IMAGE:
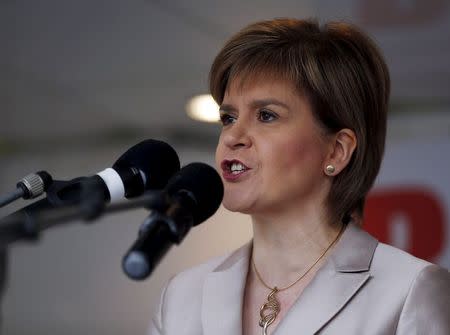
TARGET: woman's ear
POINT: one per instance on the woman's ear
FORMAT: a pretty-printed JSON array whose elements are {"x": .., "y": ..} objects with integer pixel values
[{"x": 343, "y": 144}]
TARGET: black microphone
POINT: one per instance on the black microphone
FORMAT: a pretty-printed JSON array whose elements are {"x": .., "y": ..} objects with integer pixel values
[
  {"x": 192, "y": 195},
  {"x": 29, "y": 187},
  {"x": 147, "y": 165}
]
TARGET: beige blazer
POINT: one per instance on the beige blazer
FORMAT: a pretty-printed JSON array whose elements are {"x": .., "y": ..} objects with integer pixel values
[{"x": 364, "y": 288}]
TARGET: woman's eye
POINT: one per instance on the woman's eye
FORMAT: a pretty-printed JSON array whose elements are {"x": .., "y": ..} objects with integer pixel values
[
  {"x": 267, "y": 116},
  {"x": 226, "y": 119}
]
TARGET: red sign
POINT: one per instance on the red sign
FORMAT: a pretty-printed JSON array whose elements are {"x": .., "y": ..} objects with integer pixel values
[{"x": 424, "y": 215}]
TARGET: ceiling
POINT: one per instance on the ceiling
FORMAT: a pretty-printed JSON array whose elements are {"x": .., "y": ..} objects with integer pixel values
[{"x": 92, "y": 71}]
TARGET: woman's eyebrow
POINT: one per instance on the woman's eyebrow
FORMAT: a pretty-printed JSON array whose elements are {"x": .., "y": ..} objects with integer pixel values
[
  {"x": 226, "y": 108},
  {"x": 266, "y": 102},
  {"x": 255, "y": 104}
]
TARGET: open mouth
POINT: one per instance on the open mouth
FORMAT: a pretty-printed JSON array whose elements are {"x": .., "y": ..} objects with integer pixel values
[{"x": 233, "y": 167}]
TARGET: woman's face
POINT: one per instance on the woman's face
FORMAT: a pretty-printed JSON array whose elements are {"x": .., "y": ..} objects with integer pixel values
[{"x": 271, "y": 152}]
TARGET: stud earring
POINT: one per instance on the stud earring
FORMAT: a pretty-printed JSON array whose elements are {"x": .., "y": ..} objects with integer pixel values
[{"x": 330, "y": 169}]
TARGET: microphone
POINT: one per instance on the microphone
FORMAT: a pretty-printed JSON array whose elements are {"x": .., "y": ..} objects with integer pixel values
[
  {"x": 29, "y": 187},
  {"x": 192, "y": 195},
  {"x": 147, "y": 165}
]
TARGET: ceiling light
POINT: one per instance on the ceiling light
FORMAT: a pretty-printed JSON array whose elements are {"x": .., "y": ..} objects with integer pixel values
[{"x": 203, "y": 108}]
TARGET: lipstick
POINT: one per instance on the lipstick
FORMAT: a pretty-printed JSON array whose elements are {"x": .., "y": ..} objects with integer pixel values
[{"x": 233, "y": 170}]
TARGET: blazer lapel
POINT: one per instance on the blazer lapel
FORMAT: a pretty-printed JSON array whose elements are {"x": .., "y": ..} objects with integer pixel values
[
  {"x": 223, "y": 294},
  {"x": 344, "y": 274}
]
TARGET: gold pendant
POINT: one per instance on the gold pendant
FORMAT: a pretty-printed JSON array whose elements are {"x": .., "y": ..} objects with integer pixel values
[{"x": 269, "y": 311}]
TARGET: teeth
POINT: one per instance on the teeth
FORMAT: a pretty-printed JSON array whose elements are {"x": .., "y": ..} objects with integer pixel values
[{"x": 237, "y": 167}]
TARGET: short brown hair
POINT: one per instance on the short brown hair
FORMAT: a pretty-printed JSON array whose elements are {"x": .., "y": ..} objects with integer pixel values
[{"x": 341, "y": 72}]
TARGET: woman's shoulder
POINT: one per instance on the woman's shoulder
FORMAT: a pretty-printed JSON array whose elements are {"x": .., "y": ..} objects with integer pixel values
[
  {"x": 395, "y": 259},
  {"x": 389, "y": 259},
  {"x": 183, "y": 293},
  {"x": 192, "y": 279},
  {"x": 359, "y": 250},
  {"x": 195, "y": 275},
  {"x": 424, "y": 289},
  {"x": 401, "y": 269}
]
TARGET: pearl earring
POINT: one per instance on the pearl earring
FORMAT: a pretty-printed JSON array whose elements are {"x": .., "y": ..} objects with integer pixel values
[{"x": 330, "y": 169}]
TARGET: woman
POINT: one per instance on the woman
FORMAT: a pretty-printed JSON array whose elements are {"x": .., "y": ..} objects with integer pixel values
[{"x": 303, "y": 110}]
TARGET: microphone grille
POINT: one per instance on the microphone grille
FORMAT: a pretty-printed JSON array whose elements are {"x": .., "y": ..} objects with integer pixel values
[
  {"x": 156, "y": 159},
  {"x": 204, "y": 183}
]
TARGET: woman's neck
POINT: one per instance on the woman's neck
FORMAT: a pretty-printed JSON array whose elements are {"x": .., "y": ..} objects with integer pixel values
[{"x": 286, "y": 244}]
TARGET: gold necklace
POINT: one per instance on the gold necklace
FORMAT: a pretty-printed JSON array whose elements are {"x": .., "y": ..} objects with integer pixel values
[{"x": 270, "y": 309}]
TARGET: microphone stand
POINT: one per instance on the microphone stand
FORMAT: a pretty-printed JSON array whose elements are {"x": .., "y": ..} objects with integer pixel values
[
  {"x": 11, "y": 196},
  {"x": 28, "y": 227},
  {"x": 24, "y": 226}
]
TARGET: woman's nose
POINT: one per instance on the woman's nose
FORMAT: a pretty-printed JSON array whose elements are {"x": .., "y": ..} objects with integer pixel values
[{"x": 237, "y": 136}]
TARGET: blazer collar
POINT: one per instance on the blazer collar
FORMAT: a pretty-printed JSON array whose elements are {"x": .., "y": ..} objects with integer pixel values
[
  {"x": 334, "y": 285},
  {"x": 354, "y": 251},
  {"x": 341, "y": 277},
  {"x": 223, "y": 294}
]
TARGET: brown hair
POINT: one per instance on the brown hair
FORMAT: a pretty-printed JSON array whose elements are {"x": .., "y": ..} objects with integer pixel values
[{"x": 340, "y": 70}]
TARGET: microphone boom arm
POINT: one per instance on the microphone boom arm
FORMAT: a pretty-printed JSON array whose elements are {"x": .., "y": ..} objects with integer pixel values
[{"x": 23, "y": 225}]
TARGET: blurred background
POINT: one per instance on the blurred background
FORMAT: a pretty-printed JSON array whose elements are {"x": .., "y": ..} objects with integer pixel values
[{"x": 82, "y": 81}]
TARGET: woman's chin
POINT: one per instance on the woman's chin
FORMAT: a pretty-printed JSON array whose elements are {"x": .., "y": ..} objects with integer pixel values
[{"x": 237, "y": 205}]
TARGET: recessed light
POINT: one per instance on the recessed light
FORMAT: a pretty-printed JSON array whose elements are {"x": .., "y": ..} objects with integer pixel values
[{"x": 203, "y": 108}]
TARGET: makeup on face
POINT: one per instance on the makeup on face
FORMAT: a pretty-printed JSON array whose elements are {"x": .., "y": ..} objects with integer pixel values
[{"x": 270, "y": 150}]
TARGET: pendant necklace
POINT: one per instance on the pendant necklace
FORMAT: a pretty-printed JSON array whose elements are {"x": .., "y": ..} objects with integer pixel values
[{"x": 271, "y": 308}]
